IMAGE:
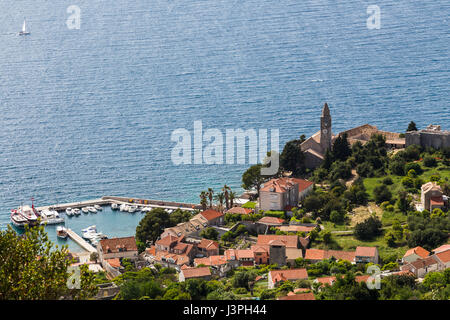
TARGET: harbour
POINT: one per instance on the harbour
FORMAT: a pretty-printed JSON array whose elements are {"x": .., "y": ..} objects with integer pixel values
[{"x": 110, "y": 222}]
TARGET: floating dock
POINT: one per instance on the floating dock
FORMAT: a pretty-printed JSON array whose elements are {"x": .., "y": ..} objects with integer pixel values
[{"x": 80, "y": 241}]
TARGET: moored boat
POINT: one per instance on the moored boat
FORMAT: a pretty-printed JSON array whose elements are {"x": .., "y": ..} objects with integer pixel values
[
  {"x": 61, "y": 232},
  {"x": 98, "y": 208},
  {"x": 92, "y": 209},
  {"x": 76, "y": 211},
  {"x": 85, "y": 210},
  {"x": 114, "y": 206}
]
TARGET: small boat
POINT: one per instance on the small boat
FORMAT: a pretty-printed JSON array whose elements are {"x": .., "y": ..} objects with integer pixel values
[
  {"x": 123, "y": 207},
  {"x": 24, "y": 31},
  {"x": 61, "y": 232},
  {"x": 98, "y": 208},
  {"x": 69, "y": 212},
  {"x": 85, "y": 210},
  {"x": 76, "y": 211},
  {"x": 18, "y": 220},
  {"x": 114, "y": 206},
  {"x": 132, "y": 209},
  {"x": 92, "y": 228},
  {"x": 92, "y": 209},
  {"x": 51, "y": 217}
]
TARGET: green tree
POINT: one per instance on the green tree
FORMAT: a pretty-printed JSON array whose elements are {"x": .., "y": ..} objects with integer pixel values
[
  {"x": 292, "y": 158},
  {"x": 209, "y": 233},
  {"x": 32, "y": 268},
  {"x": 152, "y": 225},
  {"x": 368, "y": 229},
  {"x": 252, "y": 178},
  {"x": 381, "y": 194},
  {"x": 341, "y": 148},
  {"x": 412, "y": 126}
]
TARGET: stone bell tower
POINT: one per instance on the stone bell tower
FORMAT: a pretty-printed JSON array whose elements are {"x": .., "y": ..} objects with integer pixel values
[{"x": 325, "y": 128}]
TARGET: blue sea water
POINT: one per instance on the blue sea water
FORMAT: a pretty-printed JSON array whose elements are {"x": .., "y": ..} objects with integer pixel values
[{"x": 90, "y": 112}]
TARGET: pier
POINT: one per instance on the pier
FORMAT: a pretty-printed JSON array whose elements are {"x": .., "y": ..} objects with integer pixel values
[
  {"x": 80, "y": 241},
  {"x": 107, "y": 200}
]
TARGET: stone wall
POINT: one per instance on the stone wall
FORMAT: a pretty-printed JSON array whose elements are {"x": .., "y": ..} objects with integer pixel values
[{"x": 435, "y": 139}]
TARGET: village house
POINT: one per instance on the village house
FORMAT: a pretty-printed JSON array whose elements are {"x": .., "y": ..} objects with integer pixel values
[
  {"x": 240, "y": 210},
  {"x": 117, "y": 248},
  {"x": 317, "y": 255},
  {"x": 414, "y": 254},
  {"x": 277, "y": 276},
  {"x": 292, "y": 228},
  {"x": 366, "y": 255},
  {"x": 277, "y": 194},
  {"x": 432, "y": 196},
  {"x": 208, "y": 248},
  {"x": 194, "y": 273},
  {"x": 195, "y": 224},
  {"x": 279, "y": 249},
  {"x": 271, "y": 221},
  {"x": 240, "y": 257},
  {"x": 213, "y": 217},
  {"x": 218, "y": 264},
  {"x": 443, "y": 258},
  {"x": 421, "y": 267}
]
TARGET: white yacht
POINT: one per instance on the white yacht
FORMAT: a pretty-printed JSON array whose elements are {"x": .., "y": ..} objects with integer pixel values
[
  {"x": 98, "y": 208},
  {"x": 92, "y": 228},
  {"x": 114, "y": 206},
  {"x": 132, "y": 209},
  {"x": 85, "y": 210},
  {"x": 92, "y": 209},
  {"x": 123, "y": 207},
  {"x": 76, "y": 211},
  {"x": 69, "y": 212}
]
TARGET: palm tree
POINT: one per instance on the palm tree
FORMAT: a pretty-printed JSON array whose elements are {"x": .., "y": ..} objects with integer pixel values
[
  {"x": 225, "y": 192},
  {"x": 232, "y": 196},
  {"x": 210, "y": 196},
  {"x": 220, "y": 197},
  {"x": 203, "y": 199}
]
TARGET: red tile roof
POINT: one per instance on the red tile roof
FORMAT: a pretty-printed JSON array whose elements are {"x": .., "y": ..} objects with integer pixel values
[
  {"x": 211, "y": 261},
  {"x": 290, "y": 241},
  {"x": 115, "y": 262},
  {"x": 421, "y": 252},
  {"x": 211, "y": 214},
  {"x": 196, "y": 272},
  {"x": 240, "y": 210},
  {"x": 315, "y": 254},
  {"x": 271, "y": 220},
  {"x": 277, "y": 242},
  {"x": 365, "y": 251},
  {"x": 302, "y": 184},
  {"x": 151, "y": 251},
  {"x": 442, "y": 248},
  {"x": 114, "y": 244},
  {"x": 362, "y": 278},
  {"x": 244, "y": 254},
  {"x": 167, "y": 241},
  {"x": 300, "y": 296},
  {"x": 325, "y": 280},
  {"x": 444, "y": 256},
  {"x": 289, "y": 274},
  {"x": 208, "y": 244},
  {"x": 294, "y": 228}
]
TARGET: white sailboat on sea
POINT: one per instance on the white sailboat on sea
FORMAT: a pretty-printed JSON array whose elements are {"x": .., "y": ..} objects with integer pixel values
[{"x": 24, "y": 31}]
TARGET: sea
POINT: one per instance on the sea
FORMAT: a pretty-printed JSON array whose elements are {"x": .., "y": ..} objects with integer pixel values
[{"x": 89, "y": 100}]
